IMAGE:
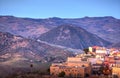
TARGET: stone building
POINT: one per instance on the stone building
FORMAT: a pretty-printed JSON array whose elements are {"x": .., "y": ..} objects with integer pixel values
[
  {"x": 73, "y": 67},
  {"x": 116, "y": 69}
]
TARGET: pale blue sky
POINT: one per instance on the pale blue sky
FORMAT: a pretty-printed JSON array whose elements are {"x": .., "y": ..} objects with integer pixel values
[{"x": 60, "y": 8}]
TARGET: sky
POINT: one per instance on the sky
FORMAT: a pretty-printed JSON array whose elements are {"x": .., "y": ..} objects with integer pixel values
[{"x": 60, "y": 8}]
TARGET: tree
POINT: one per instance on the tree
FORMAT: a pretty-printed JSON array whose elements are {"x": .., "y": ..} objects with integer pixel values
[
  {"x": 106, "y": 70},
  {"x": 101, "y": 69},
  {"x": 48, "y": 70},
  {"x": 86, "y": 50},
  {"x": 31, "y": 66},
  {"x": 115, "y": 76},
  {"x": 61, "y": 74},
  {"x": 86, "y": 75}
]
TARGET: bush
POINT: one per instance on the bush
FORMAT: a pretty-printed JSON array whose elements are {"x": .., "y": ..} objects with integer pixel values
[{"x": 61, "y": 74}]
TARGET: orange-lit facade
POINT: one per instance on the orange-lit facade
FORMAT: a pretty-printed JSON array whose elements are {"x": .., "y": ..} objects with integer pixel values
[
  {"x": 90, "y": 64},
  {"x": 73, "y": 67},
  {"x": 116, "y": 69}
]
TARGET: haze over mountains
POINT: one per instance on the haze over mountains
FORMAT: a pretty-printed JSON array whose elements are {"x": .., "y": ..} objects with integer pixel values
[
  {"x": 39, "y": 39},
  {"x": 108, "y": 28}
]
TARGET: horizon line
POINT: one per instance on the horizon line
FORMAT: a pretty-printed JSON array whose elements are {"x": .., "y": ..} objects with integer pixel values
[{"x": 57, "y": 17}]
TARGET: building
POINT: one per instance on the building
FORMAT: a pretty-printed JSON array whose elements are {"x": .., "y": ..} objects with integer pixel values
[
  {"x": 73, "y": 67},
  {"x": 98, "y": 61},
  {"x": 116, "y": 69}
]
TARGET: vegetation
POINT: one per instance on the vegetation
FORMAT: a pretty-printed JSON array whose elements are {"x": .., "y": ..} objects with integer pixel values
[
  {"x": 61, "y": 74},
  {"x": 86, "y": 50},
  {"x": 26, "y": 71},
  {"x": 87, "y": 75},
  {"x": 105, "y": 70}
]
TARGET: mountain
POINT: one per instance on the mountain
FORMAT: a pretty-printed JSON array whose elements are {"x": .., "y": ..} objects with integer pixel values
[
  {"x": 18, "y": 49},
  {"x": 107, "y": 27},
  {"x": 115, "y": 45},
  {"x": 73, "y": 37},
  {"x": 22, "y": 26}
]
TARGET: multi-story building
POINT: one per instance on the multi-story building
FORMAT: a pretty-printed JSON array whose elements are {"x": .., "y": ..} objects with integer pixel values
[
  {"x": 116, "y": 69},
  {"x": 99, "y": 60},
  {"x": 73, "y": 67}
]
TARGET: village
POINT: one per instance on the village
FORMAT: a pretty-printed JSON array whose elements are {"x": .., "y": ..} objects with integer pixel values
[{"x": 96, "y": 62}]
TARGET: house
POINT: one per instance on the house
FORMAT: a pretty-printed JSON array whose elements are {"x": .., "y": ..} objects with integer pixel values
[{"x": 73, "y": 67}]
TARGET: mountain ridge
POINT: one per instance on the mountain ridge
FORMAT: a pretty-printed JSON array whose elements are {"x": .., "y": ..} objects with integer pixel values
[
  {"x": 107, "y": 27},
  {"x": 73, "y": 37},
  {"x": 26, "y": 49}
]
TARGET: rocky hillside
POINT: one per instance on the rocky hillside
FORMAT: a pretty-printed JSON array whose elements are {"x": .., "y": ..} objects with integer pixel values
[
  {"x": 20, "y": 26},
  {"x": 107, "y": 28},
  {"x": 115, "y": 45},
  {"x": 73, "y": 37},
  {"x": 16, "y": 49}
]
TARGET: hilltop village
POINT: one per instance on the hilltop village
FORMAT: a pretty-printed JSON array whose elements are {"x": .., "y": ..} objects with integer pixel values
[{"x": 96, "y": 62}]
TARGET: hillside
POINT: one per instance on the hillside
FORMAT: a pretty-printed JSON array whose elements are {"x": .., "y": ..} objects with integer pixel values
[
  {"x": 115, "y": 45},
  {"x": 73, "y": 37},
  {"x": 18, "y": 49},
  {"x": 107, "y": 27}
]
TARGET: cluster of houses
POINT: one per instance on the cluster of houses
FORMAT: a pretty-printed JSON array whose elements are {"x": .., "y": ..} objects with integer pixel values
[{"x": 98, "y": 62}]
